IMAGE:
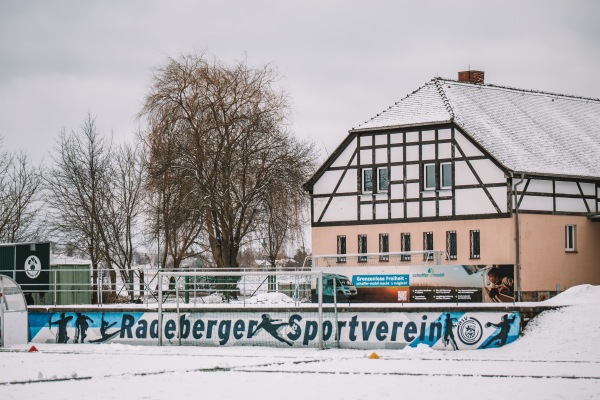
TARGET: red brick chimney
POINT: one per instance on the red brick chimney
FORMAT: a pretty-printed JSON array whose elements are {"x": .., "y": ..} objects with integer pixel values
[{"x": 471, "y": 76}]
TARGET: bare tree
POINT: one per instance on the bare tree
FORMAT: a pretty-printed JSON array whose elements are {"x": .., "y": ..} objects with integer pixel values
[
  {"x": 176, "y": 219},
  {"x": 121, "y": 209},
  {"x": 78, "y": 183},
  {"x": 232, "y": 142},
  {"x": 284, "y": 208},
  {"x": 20, "y": 187}
]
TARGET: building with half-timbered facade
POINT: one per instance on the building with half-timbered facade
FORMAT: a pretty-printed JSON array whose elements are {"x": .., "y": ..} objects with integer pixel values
[{"x": 489, "y": 174}]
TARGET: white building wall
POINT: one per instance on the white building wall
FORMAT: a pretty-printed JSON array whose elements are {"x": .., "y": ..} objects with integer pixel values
[
  {"x": 341, "y": 209},
  {"x": 327, "y": 182},
  {"x": 344, "y": 157}
]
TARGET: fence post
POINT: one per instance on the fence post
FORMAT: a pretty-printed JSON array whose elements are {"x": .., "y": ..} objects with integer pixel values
[
  {"x": 54, "y": 291},
  {"x": 131, "y": 288},
  {"x": 320, "y": 286},
  {"x": 186, "y": 287},
  {"x": 159, "y": 308}
]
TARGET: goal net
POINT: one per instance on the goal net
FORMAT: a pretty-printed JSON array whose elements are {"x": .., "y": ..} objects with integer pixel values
[{"x": 266, "y": 308}]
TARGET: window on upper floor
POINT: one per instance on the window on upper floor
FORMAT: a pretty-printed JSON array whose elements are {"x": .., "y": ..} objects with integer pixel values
[
  {"x": 405, "y": 246},
  {"x": 367, "y": 180},
  {"x": 341, "y": 248},
  {"x": 570, "y": 238},
  {"x": 383, "y": 179},
  {"x": 362, "y": 247},
  {"x": 451, "y": 252},
  {"x": 445, "y": 175},
  {"x": 384, "y": 247},
  {"x": 429, "y": 177},
  {"x": 475, "y": 239}
]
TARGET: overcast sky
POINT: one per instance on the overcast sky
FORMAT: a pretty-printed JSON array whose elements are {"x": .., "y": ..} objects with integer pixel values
[{"x": 342, "y": 62}]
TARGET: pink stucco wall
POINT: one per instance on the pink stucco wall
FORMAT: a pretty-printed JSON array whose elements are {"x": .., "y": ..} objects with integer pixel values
[{"x": 544, "y": 262}]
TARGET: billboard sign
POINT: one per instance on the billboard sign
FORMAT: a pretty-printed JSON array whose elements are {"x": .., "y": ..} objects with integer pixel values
[{"x": 426, "y": 284}]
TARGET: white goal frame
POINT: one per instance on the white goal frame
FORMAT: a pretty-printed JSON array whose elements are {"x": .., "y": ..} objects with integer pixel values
[{"x": 161, "y": 274}]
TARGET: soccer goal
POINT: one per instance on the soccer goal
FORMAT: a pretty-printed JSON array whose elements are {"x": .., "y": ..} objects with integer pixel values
[{"x": 229, "y": 309}]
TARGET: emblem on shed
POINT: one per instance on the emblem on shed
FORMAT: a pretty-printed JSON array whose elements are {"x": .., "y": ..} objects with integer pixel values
[{"x": 33, "y": 267}]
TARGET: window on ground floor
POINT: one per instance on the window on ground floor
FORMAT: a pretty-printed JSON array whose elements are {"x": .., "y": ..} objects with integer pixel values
[
  {"x": 341, "y": 248},
  {"x": 428, "y": 245},
  {"x": 384, "y": 246},
  {"x": 451, "y": 252},
  {"x": 405, "y": 246},
  {"x": 570, "y": 238},
  {"x": 475, "y": 252},
  {"x": 362, "y": 247}
]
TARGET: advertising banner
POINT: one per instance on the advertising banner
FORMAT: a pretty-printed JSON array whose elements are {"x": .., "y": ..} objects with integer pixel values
[
  {"x": 419, "y": 284},
  {"x": 452, "y": 330}
]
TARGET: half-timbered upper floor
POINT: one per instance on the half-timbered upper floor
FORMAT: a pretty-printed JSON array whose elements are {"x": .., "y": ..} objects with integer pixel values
[{"x": 454, "y": 150}]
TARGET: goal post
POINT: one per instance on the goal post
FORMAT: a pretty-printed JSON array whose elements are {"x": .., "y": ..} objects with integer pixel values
[{"x": 211, "y": 283}]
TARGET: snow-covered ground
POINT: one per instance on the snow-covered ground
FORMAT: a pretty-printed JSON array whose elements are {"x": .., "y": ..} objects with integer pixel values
[{"x": 558, "y": 357}]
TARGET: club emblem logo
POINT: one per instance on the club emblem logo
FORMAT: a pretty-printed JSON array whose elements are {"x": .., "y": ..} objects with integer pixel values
[
  {"x": 469, "y": 331},
  {"x": 33, "y": 267}
]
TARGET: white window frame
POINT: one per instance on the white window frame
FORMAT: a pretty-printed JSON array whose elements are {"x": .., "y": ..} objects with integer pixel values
[
  {"x": 425, "y": 175},
  {"x": 570, "y": 238},
  {"x": 364, "y": 171},
  {"x": 379, "y": 190},
  {"x": 442, "y": 186}
]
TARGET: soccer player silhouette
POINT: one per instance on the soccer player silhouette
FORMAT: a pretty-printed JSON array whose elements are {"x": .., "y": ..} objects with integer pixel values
[
  {"x": 268, "y": 325},
  {"x": 448, "y": 334},
  {"x": 81, "y": 325},
  {"x": 62, "y": 327},
  {"x": 502, "y": 336}
]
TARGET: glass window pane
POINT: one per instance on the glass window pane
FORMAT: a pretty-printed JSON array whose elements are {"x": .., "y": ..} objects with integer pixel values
[
  {"x": 384, "y": 246},
  {"x": 405, "y": 246},
  {"x": 341, "y": 248},
  {"x": 367, "y": 180},
  {"x": 384, "y": 180},
  {"x": 446, "y": 175},
  {"x": 429, "y": 176},
  {"x": 362, "y": 247}
]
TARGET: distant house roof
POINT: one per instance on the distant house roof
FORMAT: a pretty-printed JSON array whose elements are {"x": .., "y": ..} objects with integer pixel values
[{"x": 525, "y": 131}]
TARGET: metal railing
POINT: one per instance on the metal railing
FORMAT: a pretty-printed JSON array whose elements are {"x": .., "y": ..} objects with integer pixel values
[{"x": 81, "y": 286}]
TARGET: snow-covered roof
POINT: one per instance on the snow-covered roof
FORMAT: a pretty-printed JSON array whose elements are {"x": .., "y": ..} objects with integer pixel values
[{"x": 526, "y": 131}]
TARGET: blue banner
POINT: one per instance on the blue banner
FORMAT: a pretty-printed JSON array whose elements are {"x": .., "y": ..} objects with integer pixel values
[{"x": 380, "y": 280}]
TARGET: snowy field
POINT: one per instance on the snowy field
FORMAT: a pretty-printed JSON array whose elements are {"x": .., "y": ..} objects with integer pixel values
[{"x": 558, "y": 357}]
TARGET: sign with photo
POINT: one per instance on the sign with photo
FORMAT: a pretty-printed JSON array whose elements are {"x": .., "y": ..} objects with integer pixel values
[{"x": 419, "y": 284}]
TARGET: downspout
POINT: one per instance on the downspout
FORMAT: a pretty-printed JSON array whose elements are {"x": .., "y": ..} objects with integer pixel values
[{"x": 518, "y": 240}]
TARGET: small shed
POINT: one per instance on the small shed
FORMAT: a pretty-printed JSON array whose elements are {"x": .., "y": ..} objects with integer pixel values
[
  {"x": 13, "y": 313},
  {"x": 70, "y": 282}
]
